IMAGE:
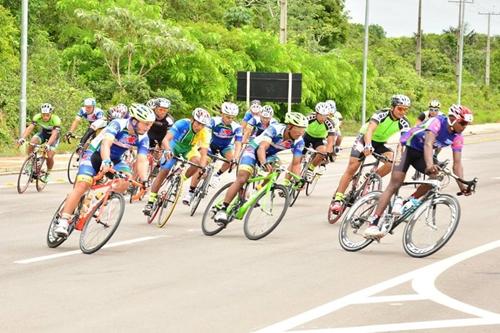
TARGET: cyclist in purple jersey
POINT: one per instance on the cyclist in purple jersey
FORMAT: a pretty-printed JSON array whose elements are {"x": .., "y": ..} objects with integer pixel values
[{"x": 417, "y": 149}]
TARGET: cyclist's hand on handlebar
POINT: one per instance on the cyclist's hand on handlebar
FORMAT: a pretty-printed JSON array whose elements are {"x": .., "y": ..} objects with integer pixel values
[
  {"x": 267, "y": 167},
  {"x": 145, "y": 184},
  {"x": 331, "y": 156},
  {"x": 106, "y": 166},
  {"x": 431, "y": 170},
  {"x": 368, "y": 150},
  {"x": 21, "y": 141},
  {"x": 168, "y": 154}
]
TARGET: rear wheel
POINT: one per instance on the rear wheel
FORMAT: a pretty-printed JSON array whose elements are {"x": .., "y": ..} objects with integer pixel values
[
  {"x": 41, "y": 179},
  {"x": 102, "y": 223},
  {"x": 266, "y": 212},
  {"x": 312, "y": 185},
  {"x": 173, "y": 192},
  {"x": 432, "y": 226},
  {"x": 25, "y": 174},
  {"x": 353, "y": 225},
  {"x": 208, "y": 225},
  {"x": 73, "y": 164}
]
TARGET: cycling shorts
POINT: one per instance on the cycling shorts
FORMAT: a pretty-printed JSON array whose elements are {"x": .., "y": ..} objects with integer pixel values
[
  {"x": 91, "y": 163},
  {"x": 407, "y": 156},
  {"x": 248, "y": 159},
  {"x": 214, "y": 149},
  {"x": 44, "y": 137},
  {"x": 311, "y": 142},
  {"x": 359, "y": 146}
]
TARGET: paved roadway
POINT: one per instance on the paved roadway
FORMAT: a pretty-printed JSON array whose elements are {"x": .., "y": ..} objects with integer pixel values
[{"x": 297, "y": 279}]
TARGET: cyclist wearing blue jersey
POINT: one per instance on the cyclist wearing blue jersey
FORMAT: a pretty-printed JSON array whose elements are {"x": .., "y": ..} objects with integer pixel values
[
  {"x": 105, "y": 152},
  {"x": 189, "y": 138},
  {"x": 256, "y": 125},
  {"x": 254, "y": 111},
  {"x": 226, "y": 138},
  {"x": 94, "y": 116},
  {"x": 262, "y": 150}
]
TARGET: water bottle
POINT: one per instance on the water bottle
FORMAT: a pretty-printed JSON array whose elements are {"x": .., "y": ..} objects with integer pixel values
[{"x": 398, "y": 204}]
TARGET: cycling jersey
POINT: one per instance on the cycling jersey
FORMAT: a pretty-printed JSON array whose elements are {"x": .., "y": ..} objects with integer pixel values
[
  {"x": 258, "y": 126},
  {"x": 423, "y": 116},
  {"x": 117, "y": 130},
  {"x": 274, "y": 135},
  {"x": 415, "y": 137},
  {"x": 387, "y": 125},
  {"x": 46, "y": 127},
  {"x": 159, "y": 129},
  {"x": 95, "y": 115},
  {"x": 222, "y": 134},
  {"x": 318, "y": 130},
  {"x": 248, "y": 115}
]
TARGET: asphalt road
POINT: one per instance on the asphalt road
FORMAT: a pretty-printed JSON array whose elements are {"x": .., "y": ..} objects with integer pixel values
[{"x": 297, "y": 279}]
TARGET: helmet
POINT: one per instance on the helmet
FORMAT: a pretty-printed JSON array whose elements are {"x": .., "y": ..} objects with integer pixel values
[
  {"x": 296, "y": 119},
  {"x": 142, "y": 113},
  {"x": 229, "y": 108},
  {"x": 89, "y": 101},
  {"x": 435, "y": 104},
  {"x": 332, "y": 105},
  {"x": 255, "y": 101},
  {"x": 323, "y": 109},
  {"x": 119, "y": 112},
  {"x": 255, "y": 108},
  {"x": 267, "y": 111},
  {"x": 400, "y": 100},
  {"x": 151, "y": 103},
  {"x": 46, "y": 108},
  {"x": 162, "y": 103},
  {"x": 460, "y": 112},
  {"x": 202, "y": 116}
]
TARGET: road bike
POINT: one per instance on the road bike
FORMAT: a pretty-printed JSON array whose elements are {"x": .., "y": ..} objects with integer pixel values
[
  {"x": 262, "y": 208},
  {"x": 362, "y": 183},
  {"x": 34, "y": 168},
  {"x": 429, "y": 225},
  {"x": 97, "y": 216}
]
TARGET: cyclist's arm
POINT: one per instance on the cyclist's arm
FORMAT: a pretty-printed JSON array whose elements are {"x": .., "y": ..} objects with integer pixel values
[
  {"x": 53, "y": 136},
  {"x": 261, "y": 151},
  {"x": 295, "y": 164},
  {"x": 238, "y": 138},
  {"x": 372, "y": 126},
  {"x": 28, "y": 131},
  {"x": 74, "y": 124},
  {"x": 458, "y": 168},
  {"x": 142, "y": 166},
  {"x": 330, "y": 142},
  {"x": 247, "y": 132},
  {"x": 106, "y": 147},
  {"x": 165, "y": 144},
  {"x": 430, "y": 137},
  {"x": 203, "y": 156}
]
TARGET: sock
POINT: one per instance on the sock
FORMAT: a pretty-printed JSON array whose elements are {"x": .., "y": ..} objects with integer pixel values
[
  {"x": 339, "y": 196},
  {"x": 311, "y": 167},
  {"x": 152, "y": 197},
  {"x": 219, "y": 173},
  {"x": 192, "y": 188}
]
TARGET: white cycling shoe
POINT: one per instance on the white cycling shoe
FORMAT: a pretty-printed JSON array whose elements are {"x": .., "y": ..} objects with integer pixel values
[{"x": 61, "y": 229}]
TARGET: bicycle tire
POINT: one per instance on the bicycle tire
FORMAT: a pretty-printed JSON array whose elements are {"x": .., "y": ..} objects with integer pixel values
[
  {"x": 156, "y": 209},
  {"x": 53, "y": 240},
  {"x": 312, "y": 185},
  {"x": 86, "y": 233},
  {"x": 293, "y": 196},
  {"x": 373, "y": 183},
  {"x": 40, "y": 185},
  {"x": 351, "y": 221},
  {"x": 71, "y": 170},
  {"x": 208, "y": 225},
  {"x": 166, "y": 210},
  {"x": 417, "y": 251},
  {"x": 21, "y": 188},
  {"x": 200, "y": 192},
  {"x": 247, "y": 225}
]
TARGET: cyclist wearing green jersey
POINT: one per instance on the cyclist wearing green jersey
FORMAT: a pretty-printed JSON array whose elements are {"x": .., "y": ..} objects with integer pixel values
[
  {"x": 50, "y": 127},
  {"x": 320, "y": 135},
  {"x": 372, "y": 137}
]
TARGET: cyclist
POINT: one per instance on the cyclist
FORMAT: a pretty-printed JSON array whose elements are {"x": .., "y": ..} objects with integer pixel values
[
  {"x": 95, "y": 117},
  {"x": 254, "y": 111},
  {"x": 320, "y": 129},
  {"x": 433, "y": 111},
  {"x": 119, "y": 111},
  {"x": 50, "y": 127},
  {"x": 226, "y": 138},
  {"x": 337, "y": 118},
  {"x": 189, "y": 138},
  {"x": 163, "y": 122},
  {"x": 416, "y": 149},
  {"x": 262, "y": 151},
  {"x": 373, "y": 136},
  {"x": 105, "y": 152},
  {"x": 257, "y": 125}
]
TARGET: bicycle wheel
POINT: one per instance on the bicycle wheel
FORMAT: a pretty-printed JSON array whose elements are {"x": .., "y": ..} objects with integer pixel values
[
  {"x": 200, "y": 192},
  {"x": 25, "y": 175},
  {"x": 312, "y": 185},
  {"x": 41, "y": 169},
  {"x": 102, "y": 223},
  {"x": 73, "y": 164},
  {"x": 352, "y": 226},
  {"x": 293, "y": 195},
  {"x": 173, "y": 192},
  {"x": 266, "y": 212},
  {"x": 371, "y": 184},
  {"x": 53, "y": 240},
  {"x": 432, "y": 226},
  {"x": 208, "y": 225}
]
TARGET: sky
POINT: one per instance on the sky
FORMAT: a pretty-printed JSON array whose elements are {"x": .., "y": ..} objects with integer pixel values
[{"x": 399, "y": 17}]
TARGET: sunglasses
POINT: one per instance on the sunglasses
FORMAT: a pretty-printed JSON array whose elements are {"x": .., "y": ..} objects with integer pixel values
[
  {"x": 434, "y": 109},
  {"x": 463, "y": 123}
]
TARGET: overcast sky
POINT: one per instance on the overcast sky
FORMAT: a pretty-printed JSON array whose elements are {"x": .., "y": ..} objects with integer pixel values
[{"x": 399, "y": 17}]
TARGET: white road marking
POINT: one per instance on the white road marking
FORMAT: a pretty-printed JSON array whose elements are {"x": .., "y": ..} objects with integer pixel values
[
  {"x": 393, "y": 298},
  {"x": 70, "y": 253},
  {"x": 423, "y": 283}
]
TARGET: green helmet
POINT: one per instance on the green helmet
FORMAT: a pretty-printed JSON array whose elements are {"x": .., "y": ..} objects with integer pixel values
[{"x": 296, "y": 119}]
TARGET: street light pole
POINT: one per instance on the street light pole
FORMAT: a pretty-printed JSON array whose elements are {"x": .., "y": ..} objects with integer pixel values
[
  {"x": 418, "y": 60},
  {"x": 24, "y": 66},
  {"x": 488, "y": 49},
  {"x": 283, "y": 21},
  {"x": 365, "y": 65}
]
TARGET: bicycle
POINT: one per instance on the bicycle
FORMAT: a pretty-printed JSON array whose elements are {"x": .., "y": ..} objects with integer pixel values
[
  {"x": 167, "y": 199},
  {"x": 420, "y": 238},
  {"x": 74, "y": 159},
  {"x": 264, "y": 201},
  {"x": 201, "y": 190},
  {"x": 360, "y": 186},
  {"x": 97, "y": 216},
  {"x": 33, "y": 168},
  {"x": 137, "y": 193}
]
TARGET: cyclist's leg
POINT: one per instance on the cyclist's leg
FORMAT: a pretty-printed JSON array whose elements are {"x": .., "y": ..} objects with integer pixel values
[
  {"x": 165, "y": 167},
  {"x": 228, "y": 153},
  {"x": 382, "y": 149},
  {"x": 51, "y": 152},
  {"x": 122, "y": 185},
  {"x": 37, "y": 139},
  {"x": 247, "y": 164}
]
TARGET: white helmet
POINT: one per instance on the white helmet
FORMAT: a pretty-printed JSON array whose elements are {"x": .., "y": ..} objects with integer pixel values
[
  {"x": 255, "y": 101},
  {"x": 331, "y": 104},
  {"x": 202, "y": 116},
  {"x": 322, "y": 108},
  {"x": 142, "y": 113},
  {"x": 267, "y": 111},
  {"x": 162, "y": 103},
  {"x": 400, "y": 100},
  {"x": 151, "y": 103},
  {"x": 119, "y": 112},
  {"x": 255, "y": 108},
  {"x": 229, "y": 108},
  {"x": 434, "y": 104},
  {"x": 46, "y": 108},
  {"x": 89, "y": 101}
]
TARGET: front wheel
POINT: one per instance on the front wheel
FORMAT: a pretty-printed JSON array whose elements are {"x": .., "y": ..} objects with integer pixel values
[
  {"x": 266, "y": 212},
  {"x": 73, "y": 164},
  {"x": 102, "y": 223},
  {"x": 173, "y": 192},
  {"x": 432, "y": 226},
  {"x": 353, "y": 225},
  {"x": 25, "y": 174},
  {"x": 312, "y": 185},
  {"x": 41, "y": 170},
  {"x": 293, "y": 195},
  {"x": 208, "y": 225}
]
